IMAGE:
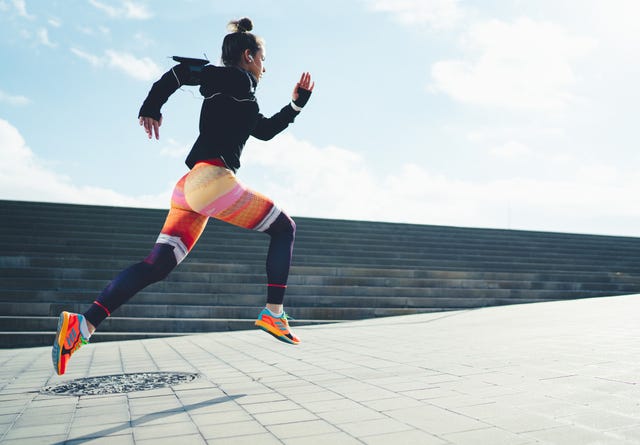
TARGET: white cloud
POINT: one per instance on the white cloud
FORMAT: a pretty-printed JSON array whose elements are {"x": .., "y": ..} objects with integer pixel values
[
  {"x": 43, "y": 38},
  {"x": 13, "y": 100},
  {"x": 54, "y": 22},
  {"x": 21, "y": 7},
  {"x": 92, "y": 59},
  {"x": 437, "y": 14},
  {"x": 510, "y": 150},
  {"x": 333, "y": 182},
  {"x": 27, "y": 177},
  {"x": 91, "y": 31},
  {"x": 140, "y": 69},
  {"x": 519, "y": 65},
  {"x": 128, "y": 9},
  {"x": 174, "y": 149},
  {"x": 143, "y": 40}
]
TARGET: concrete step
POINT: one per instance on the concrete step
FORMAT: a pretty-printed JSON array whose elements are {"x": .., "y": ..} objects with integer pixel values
[
  {"x": 312, "y": 237},
  {"x": 416, "y": 262},
  {"x": 304, "y": 285},
  {"x": 339, "y": 255},
  {"x": 127, "y": 215},
  {"x": 438, "y": 298},
  {"x": 325, "y": 229},
  {"x": 313, "y": 234},
  {"x": 139, "y": 324},
  {"x": 9, "y": 339},
  {"x": 79, "y": 267},
  {"x": 53, "y": 309}
]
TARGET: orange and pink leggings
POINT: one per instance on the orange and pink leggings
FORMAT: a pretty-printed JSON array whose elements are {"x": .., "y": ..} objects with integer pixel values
[{"x": 209, "y": 190}]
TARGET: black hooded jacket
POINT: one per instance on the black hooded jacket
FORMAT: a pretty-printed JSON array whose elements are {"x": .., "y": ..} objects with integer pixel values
[{"x": 230, "y": 112}]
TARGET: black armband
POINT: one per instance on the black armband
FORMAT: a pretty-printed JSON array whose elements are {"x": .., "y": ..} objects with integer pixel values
[
  {"x": 191, "y": 70},
  {"x": 303, "y": 97},
  {"x": 189, "y": 61}
]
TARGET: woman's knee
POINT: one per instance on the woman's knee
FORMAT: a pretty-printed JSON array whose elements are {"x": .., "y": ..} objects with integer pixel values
[
  {"x": 161, "y": 261},
  {"x": 283, "y": 225}
]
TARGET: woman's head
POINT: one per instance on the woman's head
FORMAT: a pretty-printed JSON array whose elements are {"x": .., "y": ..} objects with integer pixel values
[{"x": 243, "y": 49}]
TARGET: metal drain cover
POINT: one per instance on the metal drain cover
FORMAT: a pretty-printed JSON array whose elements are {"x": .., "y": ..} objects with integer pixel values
[{"x": 119, "y": 383}]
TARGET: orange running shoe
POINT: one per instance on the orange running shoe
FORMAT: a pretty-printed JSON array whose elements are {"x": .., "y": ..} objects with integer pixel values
[
  {"x": 68, "y": 340},
  {"x": 276, "y": 326}
]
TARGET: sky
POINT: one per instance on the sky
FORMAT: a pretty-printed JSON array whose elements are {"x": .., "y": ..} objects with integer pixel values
[{"x": 504, "y": 114}]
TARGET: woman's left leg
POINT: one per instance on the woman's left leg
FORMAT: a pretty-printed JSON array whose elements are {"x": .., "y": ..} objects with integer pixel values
[{"x": 214, "y": 191}]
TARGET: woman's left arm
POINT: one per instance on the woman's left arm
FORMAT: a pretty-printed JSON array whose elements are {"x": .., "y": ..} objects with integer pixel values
[{"x": 267, "y": 128}]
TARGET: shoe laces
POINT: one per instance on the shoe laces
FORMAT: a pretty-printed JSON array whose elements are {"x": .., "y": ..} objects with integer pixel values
[{"x": 78, "y": 344}]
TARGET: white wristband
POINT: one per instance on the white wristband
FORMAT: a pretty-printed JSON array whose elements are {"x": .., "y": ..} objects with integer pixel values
[{"x": 295, "y": 107}]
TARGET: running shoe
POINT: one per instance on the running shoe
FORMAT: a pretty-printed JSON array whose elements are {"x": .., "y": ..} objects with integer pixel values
[
  {"x": 68, "y": 340},
  {"x": 277, "y": 326}
]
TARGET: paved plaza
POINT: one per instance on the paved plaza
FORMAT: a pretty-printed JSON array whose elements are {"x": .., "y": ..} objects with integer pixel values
[{"x": 549, "y": 373}]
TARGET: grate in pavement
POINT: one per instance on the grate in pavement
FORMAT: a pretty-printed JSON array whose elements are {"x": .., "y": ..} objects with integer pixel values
[{"x": 119, "y": 383}]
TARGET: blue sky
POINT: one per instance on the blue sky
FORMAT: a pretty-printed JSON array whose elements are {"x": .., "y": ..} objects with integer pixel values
[{"x": 504, "y": 114}]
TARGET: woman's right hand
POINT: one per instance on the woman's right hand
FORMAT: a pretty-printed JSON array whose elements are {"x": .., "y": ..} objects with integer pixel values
[{"x": 151, "y": 126}]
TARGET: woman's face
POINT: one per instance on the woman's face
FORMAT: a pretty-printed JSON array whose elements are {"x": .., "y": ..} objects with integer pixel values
[{"x": 256, "y": 67}]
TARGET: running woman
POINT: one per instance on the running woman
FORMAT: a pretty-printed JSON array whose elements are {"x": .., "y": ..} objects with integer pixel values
[{"x": 229, "y": 115}]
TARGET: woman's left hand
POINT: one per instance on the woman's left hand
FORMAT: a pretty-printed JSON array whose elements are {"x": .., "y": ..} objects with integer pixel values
[{"x": 305, "y": 83}]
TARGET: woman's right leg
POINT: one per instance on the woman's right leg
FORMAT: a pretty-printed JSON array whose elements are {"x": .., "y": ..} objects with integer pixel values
[{"x": 179, "y": 234}]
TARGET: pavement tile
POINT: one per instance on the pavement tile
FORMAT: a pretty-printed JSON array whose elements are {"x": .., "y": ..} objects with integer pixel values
[
  {"x": 252, "y": 439},
  {"x": 104, "y": 417},
  {"x": 8, "y": 418},
  {"x": 630, "y": 434},
  {"x": 493, "y": 436},
  {"x": 99, "y": 430},
  {"x": 458, "y": 401},
  {"x": 261, "y": 398},
  {"x": 324, "y": 439},
  {"x": 116, "y": 440},
  {"x": 435, "y": 420},
  {"x": 319, "y": 395},
  {"x": 356, "y": 414},
  {"x": 283, "y": 405},
  {"x": 192, "y": 439},
  {"x": 99, "y": 411},
  {"x": 430, "y": 393},
  {"x": 29, "y": 419},
  {"x": 159, "y": 418},
  {"x": 145, "y": 432},
  {"x": 275, "y": 418},
  {"x": 404, "y": 437},
  {"x": 374, "y": 427},
  {"x": 570, "y": 435},
  {"x": 112, "y": 401},
  {"x": 602, "y": 420},
  {"x": 396, "y": 402},
  {"x": 302, "y": 429},
  {"x": 519, "y": 421},
  {"x": 331, "y": 405},
  {"x": 221, "y": 417},
  {"x": 7, "y": 408},
  {"x": 225, "y": 430},
  {"x": 30, "y": 431},
  {"x": 44, "y": 440}
]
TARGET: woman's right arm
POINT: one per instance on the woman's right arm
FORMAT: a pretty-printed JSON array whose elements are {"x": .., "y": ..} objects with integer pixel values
[{"x": 150, "y": 116}]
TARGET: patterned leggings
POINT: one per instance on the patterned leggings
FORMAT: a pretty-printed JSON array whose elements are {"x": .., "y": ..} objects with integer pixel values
[{"x": 208, "y": 190}]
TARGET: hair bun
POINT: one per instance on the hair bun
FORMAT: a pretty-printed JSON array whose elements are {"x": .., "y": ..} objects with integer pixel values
[{"x": 243, "y": 25}]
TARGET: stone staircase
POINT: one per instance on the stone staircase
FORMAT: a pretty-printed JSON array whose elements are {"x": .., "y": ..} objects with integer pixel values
[{"x": 60, "y": 256}]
